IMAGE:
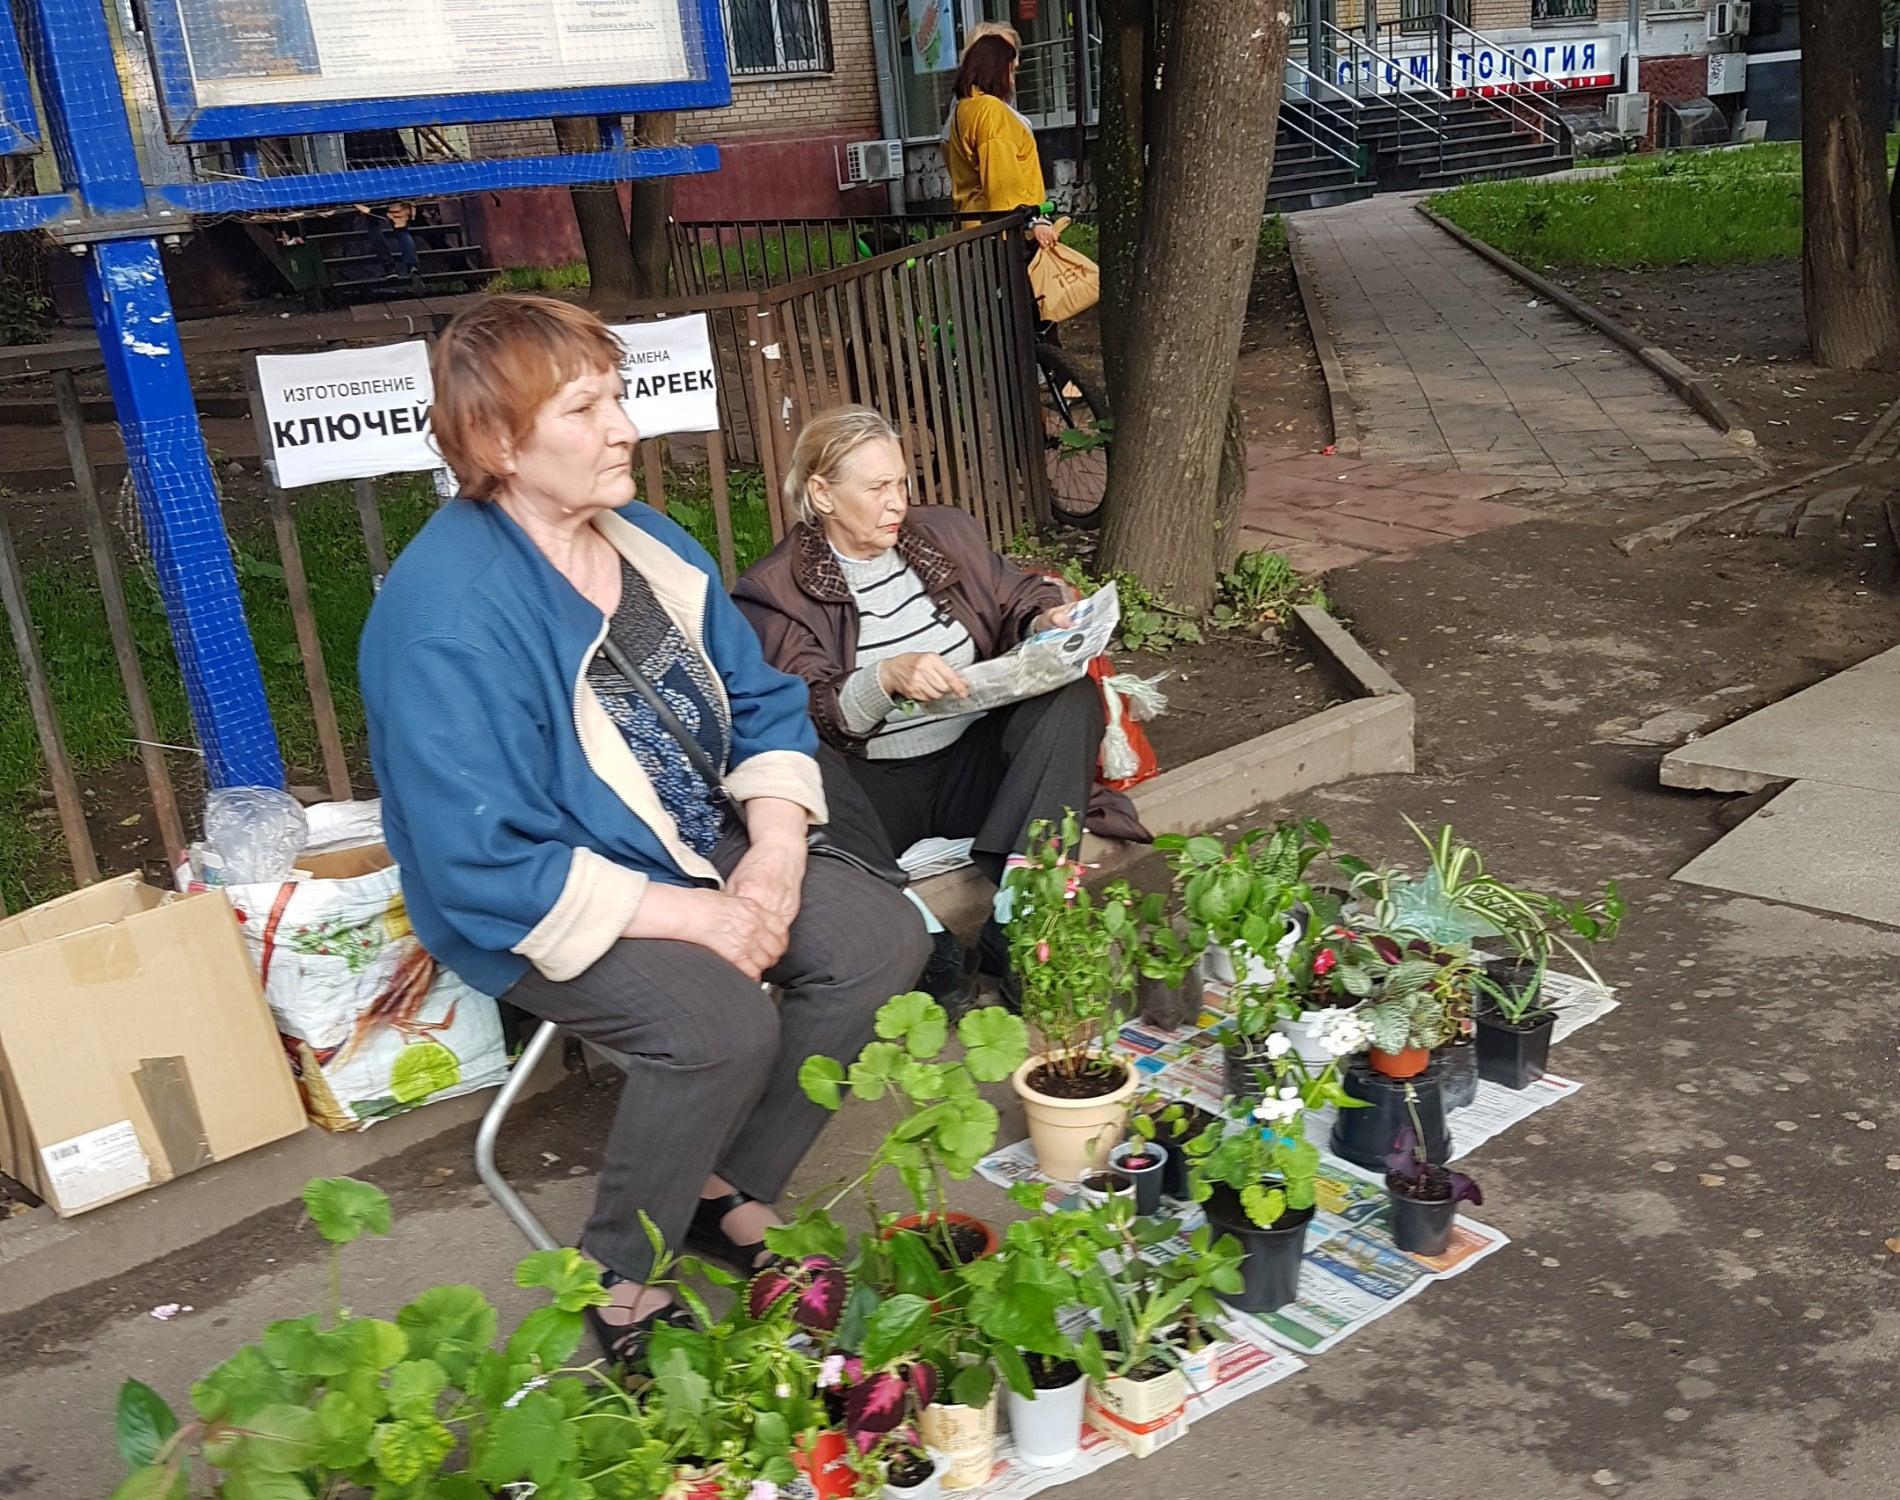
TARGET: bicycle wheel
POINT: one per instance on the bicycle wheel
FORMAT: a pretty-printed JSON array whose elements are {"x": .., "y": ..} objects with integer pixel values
[{"x": 1074, "y": 439}]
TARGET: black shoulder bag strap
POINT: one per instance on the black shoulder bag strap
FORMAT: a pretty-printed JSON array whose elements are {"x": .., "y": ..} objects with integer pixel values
[{"x": 818, "y": 839}]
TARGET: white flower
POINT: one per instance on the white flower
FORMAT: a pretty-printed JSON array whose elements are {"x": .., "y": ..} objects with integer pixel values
[
  {"x": 783, "y": 1391},
  {"x": 1289, "y": 1092},
  {"x": 1274, "y": 1111},
  {"x": 1341, "y": 1031},
  {"x": 1277, "y": 1045}
]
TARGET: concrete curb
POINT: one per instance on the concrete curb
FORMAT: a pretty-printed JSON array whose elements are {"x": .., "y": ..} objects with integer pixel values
[
  {"x": 1344, "y": 411},
  {"x": 1372, "y": 735},
  {"x": 1686, "y": 383}
]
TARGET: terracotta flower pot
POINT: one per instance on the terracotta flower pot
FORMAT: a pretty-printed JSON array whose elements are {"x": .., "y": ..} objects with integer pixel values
[
  {"x": 1073, "y": 1137},
  {"x": 1407, "y": 1064},
  {"x": 922, "y": 1222}
]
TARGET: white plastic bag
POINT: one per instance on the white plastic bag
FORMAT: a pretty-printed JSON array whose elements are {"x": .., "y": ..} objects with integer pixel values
[{"x": 372, "y": 1024}]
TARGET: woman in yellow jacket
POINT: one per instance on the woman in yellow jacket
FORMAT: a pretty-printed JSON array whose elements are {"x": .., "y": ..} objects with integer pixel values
[{"x": 988, "y": 147}]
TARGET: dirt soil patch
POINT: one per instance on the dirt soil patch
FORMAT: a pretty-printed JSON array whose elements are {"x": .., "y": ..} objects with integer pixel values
[
  {"x": 1228, "y": 689},
  {"x": 1743, "y": 326}
]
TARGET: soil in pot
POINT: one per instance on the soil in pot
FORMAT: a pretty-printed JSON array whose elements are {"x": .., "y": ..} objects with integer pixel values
[
  {"x": 1459, "y": 1061},
  {"x": 1090, "y": 1083},
  {"x": 1166, "y": 1007},
  {"x": 909, "y": 1469},
  {"x": 969, "y": 1238},
  {"x": 1422, "y": 1214},
  {"x": 1270, "y": 1268},
  {"x": 1098, "y": 1186},
  {"x": 1515, "y": 1056},
  {"x": 1073, "y": 1129},
  {"x": 1364, "y": 1137}
]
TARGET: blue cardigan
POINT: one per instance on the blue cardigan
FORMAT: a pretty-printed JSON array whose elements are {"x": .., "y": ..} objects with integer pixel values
[{"x": 526, "y": 831}]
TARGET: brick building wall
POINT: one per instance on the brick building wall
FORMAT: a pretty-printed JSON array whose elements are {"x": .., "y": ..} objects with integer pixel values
[
  {"x": 1487, "y": 16},
  {"x": 1669, "y": 80}
]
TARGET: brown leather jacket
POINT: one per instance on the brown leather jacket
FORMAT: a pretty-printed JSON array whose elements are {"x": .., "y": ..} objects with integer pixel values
[{"x": 798, "y": 602}]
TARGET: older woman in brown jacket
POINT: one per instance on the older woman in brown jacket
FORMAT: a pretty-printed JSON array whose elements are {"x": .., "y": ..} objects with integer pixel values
[{"x": 879, "y": 605}]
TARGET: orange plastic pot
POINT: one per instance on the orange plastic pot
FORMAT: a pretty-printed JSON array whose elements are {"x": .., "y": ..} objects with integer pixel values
[
  {"x": 822, "y": 1461},
  {"x": 1407, "y": 1064},
  {"x": 991, "y": 1240}
]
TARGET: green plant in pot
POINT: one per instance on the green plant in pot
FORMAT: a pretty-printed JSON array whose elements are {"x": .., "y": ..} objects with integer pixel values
[
  {"x": 944, "y": 1129},
  {"x": 1249, "y": 898},
  {"x": 1147, "y": 1312},
  {"x": 1166, "y": 953},
  {"x": 1071, "y": 953},
  {"x": 1515, "y": 1021},
  {"x": 1171, "y": 1124},
  {"x": 1332, "y": 968},
  {"x": 1530, "y": 925},
  {"x": 1256, "y": 1179},
  {"x": 1423, "y": 992}
]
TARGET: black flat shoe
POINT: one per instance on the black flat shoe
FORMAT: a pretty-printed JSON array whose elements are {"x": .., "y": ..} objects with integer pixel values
[
  {"x": 624, "y": 1345},
  {"x": 706, "y": 1235},
  {"x": 992, "y": 962}
]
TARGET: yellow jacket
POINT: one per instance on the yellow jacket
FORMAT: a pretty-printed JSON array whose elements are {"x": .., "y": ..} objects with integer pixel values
[{"x": 992, "y": 158}]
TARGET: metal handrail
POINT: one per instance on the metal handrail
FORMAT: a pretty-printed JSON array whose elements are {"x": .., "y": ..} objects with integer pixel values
[
  {"x": 1544, "y": 112},
  {"x": 1360, "y": 44},
  {"x": 1409, "y": 110},
  {"x": 1347, "y": 133}
]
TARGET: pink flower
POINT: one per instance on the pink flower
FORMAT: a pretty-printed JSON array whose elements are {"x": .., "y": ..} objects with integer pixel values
[
  {"x": 1042, "y": 953},
  {"x": 1324, "y": 962},
  {"x": 831, "y": 1372}
]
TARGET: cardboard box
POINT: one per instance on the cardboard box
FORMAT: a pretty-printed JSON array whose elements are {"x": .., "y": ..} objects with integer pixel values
[{"x": 135, "y": 1045}]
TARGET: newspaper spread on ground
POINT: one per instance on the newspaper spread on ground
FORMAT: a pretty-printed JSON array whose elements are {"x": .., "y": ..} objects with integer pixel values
[
  {"x": 1351, "y": 1272},
  {"x": 1246, "y": 1364},
  {"x": 1047, "y": 660}
]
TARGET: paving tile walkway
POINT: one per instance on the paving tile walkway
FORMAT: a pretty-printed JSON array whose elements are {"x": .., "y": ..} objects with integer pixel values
[
  {"x": 1325, "y": 512},
  {"x": 1452, "y": 364}
]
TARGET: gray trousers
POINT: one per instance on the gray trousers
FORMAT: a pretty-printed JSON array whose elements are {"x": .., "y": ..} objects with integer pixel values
[{"x": 713, "y": 1081}]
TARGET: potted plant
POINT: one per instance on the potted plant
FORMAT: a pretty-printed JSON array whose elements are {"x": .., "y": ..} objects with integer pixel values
[
  {"x": 1070, "y": 954},
  {"x": 946, "y": 1127},
  {"x": 1256, "y": 1181},
  {"x": 1172, "y": 1123},
  {"x": 1424, "y": 1196},
  {"x": 1143, "y": 1162},
  {"x": 907, "y": 1468},
  {"x": 1242, "y": 897},
  {"x": 1169, "y": 990},
  {"x": 1420, "y": 990},
  {"x": 1331, "y": 969},
  {"x": 1514, "y": 1027},
  {"x": 1105, "y": 1186},
  {"x": 1134, "y": 1360}
]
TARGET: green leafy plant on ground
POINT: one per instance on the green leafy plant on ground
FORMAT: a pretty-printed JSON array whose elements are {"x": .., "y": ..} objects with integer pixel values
[{"x": 1719, "y": 207}]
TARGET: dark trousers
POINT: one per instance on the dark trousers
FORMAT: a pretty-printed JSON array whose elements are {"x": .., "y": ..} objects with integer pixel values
[
  {"x": 1034, "y": 759},
  {"x": 391, "y": 246},
  {"x": 712, "y": 1086}
]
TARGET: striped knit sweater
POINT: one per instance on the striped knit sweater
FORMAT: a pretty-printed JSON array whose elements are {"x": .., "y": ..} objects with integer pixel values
[{"x": 896, "y": 615}]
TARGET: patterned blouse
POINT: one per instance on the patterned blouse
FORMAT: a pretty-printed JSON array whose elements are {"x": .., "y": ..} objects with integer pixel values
[{"x": 683, "y": 679}]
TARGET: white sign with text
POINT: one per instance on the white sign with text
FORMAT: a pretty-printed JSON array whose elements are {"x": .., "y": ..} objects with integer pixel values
[
  {"x": 348, "y": 413},
  {"x": 672, "y": 383}
]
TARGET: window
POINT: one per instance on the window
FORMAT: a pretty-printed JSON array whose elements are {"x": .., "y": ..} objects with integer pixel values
[
  {"x": 1420, "y": 17},
  {"x": 1563, "y": 10},
  {"x": 777, "y": 36}
]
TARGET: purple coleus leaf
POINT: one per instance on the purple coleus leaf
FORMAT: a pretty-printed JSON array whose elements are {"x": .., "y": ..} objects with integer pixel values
[
  {"x": 879, "y": 1403},
  {"x": 1464, "y": 1189},
  {"x": 816, "y": 1285},
  {"x": 1403, "y": 1160}
]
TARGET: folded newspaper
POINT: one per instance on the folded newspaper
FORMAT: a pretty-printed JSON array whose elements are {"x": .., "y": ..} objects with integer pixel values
[{"x": 1049, "y": 659}]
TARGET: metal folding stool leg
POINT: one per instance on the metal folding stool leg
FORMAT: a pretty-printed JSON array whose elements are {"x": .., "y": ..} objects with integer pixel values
[{"x": 546, "y": 1035}]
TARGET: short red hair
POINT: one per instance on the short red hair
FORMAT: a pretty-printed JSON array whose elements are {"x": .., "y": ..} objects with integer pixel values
[{"x": 494, "y": 367}]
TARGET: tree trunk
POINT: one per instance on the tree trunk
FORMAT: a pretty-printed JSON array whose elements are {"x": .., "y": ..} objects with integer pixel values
[
  {"x": 1118, "y": 174},
  {"x": 652, "y": 211},
  {"x": 1850, "y": 285},
  {"x": 1210, "y": 151},
  {"x": 603, "y": 228}
]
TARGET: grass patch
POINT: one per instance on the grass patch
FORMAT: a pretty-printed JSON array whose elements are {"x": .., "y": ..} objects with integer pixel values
[
  {"x": 70, "y": 619},
  {"x": 1703, "y": 208}
]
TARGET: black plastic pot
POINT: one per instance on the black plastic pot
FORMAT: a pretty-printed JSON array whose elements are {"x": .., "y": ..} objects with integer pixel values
[
  {"x": 1166, "y": 1007},
  {"x": 1515, "y": 1056},
  {"x": 1421, "y": 1228},
  {"x": 1174, "y": 1171},
  {"x": 1365, "y": 1137},
  {"x": 1247, "y": 1061},
  {"x": 1510, "y": 972},
  {"x": 1147, "y": 1180},
  {"x": 1270, "y": 1267},
  {"x": 1458, "y": 1060}
]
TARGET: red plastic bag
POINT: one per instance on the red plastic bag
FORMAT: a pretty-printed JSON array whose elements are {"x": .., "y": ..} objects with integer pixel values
[{"x": 1120, "y": 724}]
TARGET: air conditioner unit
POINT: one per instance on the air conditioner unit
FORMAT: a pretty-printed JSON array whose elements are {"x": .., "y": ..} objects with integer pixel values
[
  {"x": 1728, "y": 18},
  {"x": 873, "y": 161},
  {"x": 1629, "y": 113}
]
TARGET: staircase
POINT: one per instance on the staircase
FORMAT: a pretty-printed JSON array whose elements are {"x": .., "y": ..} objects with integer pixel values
[{"x": 329, "y": 261}]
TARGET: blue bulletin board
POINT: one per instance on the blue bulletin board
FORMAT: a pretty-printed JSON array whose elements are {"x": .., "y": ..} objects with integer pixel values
[
  {"x": 245, "y": 69},
  {"x": 19, "y": 128}
]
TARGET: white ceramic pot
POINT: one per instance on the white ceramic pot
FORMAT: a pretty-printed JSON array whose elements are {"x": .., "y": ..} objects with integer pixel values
[
  {"x": 1047, "y": 1428},
  {"x": 930, "y": 1489},
  {"x": 1073, "y": 1137},
  {"x": 1225, "y": 966},
  {"x": 963, "y": 1438}
]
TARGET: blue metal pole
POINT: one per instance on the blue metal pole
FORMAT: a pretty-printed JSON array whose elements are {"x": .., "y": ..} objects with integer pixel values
[{"x": 145, "y": 367}]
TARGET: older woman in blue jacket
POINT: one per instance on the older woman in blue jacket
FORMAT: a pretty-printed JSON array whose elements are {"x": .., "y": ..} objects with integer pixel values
[{"x": 563, "y": 849}]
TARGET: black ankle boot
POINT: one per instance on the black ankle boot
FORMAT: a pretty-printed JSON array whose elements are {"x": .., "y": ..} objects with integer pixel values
[{"x": 947, "y": 976}]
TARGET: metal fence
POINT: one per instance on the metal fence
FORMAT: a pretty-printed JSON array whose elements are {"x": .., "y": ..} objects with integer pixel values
[{"x": 937, "y": 333}]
